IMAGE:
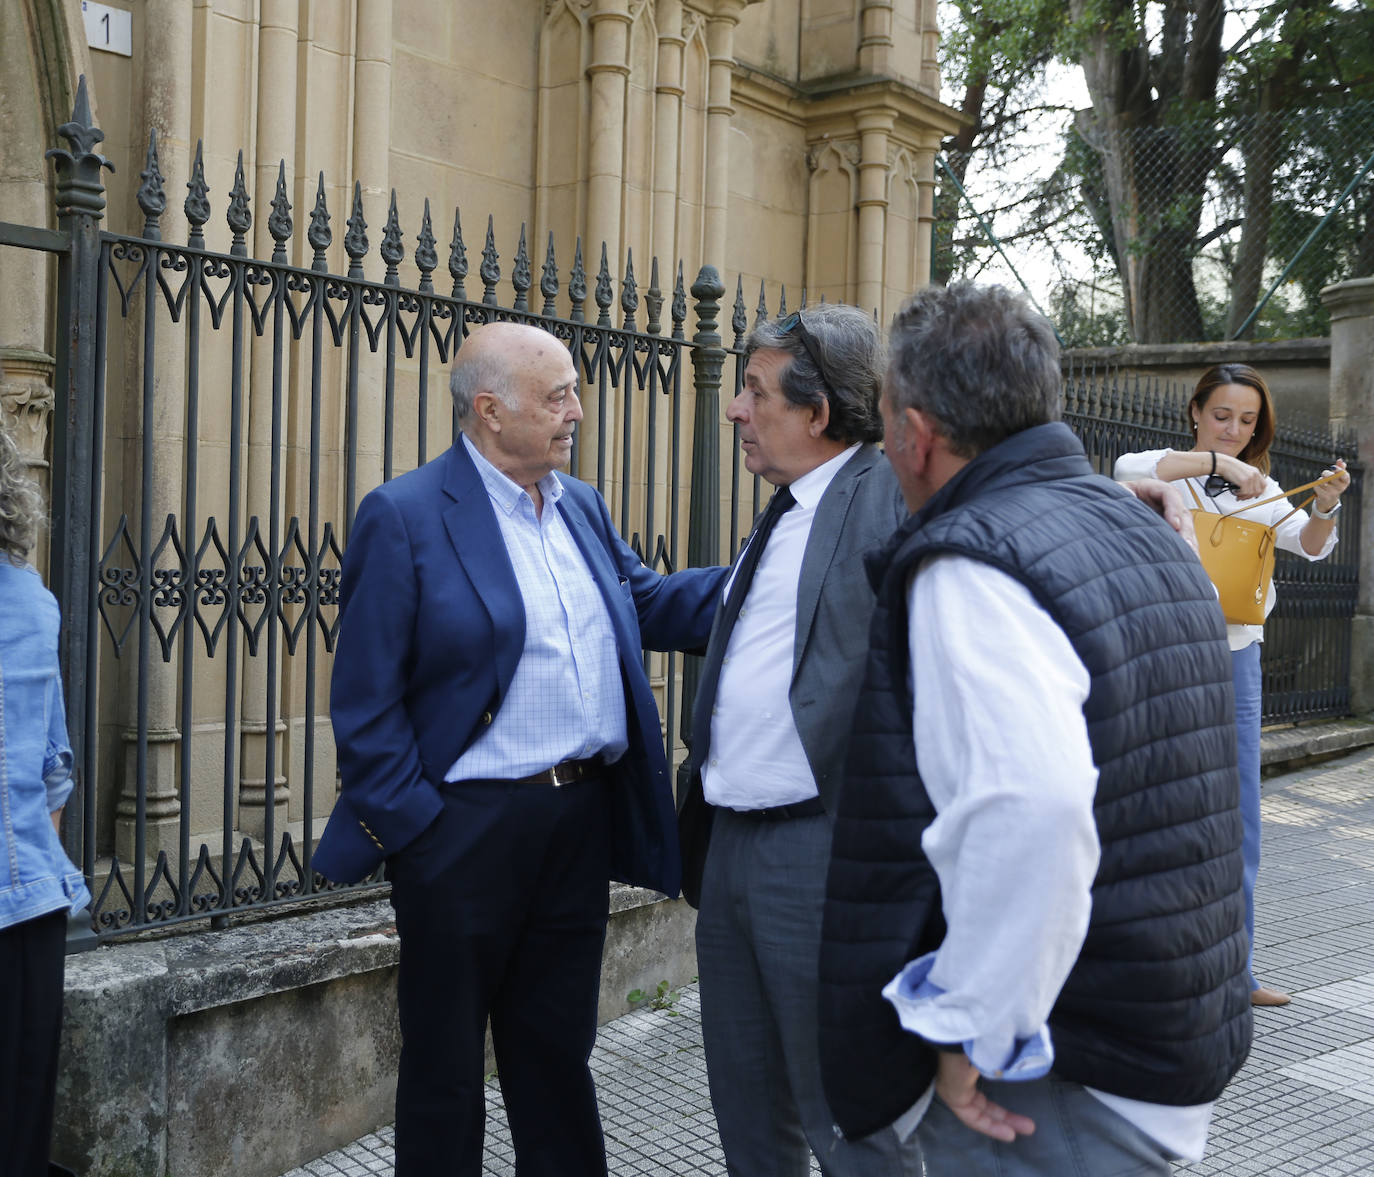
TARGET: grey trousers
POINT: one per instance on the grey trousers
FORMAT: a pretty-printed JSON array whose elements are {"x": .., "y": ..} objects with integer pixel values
[
  {"x": 758, "y": 941},
  {"x": 1076, "y": 1135}
]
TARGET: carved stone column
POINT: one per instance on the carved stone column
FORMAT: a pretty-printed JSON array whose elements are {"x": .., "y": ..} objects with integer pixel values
[
  {"x": 720, "y": 44},
  {"x": 668, "y": 95},
  {"x": 875, "y": 38},
  {"x": 925, "y": 217},
  {"x": 608, "y": 71},
  {"x": 151, "y": 738},
  {"x": 874, "y": 129},
  {"x": 1352, "y": 408},
  {"x": 372, "y": 171},
  {"x": 930, "y": 47},
  {"x": 262, "y": 705}
]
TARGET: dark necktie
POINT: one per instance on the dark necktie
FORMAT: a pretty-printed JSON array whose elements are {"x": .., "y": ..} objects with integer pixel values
[{"x": 781, "y": 502}]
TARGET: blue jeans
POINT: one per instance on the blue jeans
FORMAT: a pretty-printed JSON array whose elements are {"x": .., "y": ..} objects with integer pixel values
[
  {"x": 1245, "y": 671},
  {"x": 1076, "y": 1135}
]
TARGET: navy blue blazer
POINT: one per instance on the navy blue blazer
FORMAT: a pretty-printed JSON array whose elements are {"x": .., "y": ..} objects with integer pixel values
[{"x": 432, "y": 627}]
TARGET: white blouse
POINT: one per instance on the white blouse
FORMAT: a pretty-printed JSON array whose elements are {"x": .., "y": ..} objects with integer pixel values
[{"x": 1143, "y": 465}]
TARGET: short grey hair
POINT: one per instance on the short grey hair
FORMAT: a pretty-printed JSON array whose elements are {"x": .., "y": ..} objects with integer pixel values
[
  {"x": 22, "y": 514},
  {"x": 851, "y": 348},
  {"x": 483, "y": 371},
  {"x": 979, "y": 360}
]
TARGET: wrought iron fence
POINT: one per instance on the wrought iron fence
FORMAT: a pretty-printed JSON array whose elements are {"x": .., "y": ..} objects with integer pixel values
[
  {"x": 200, "y": 513},
  {"x": 1212, "y": 228},
  {"x": 1306, "y": 650},
  {"x": 201, "y": 507}
]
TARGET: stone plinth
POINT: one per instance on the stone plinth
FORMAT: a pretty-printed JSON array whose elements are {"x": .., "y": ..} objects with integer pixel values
[
  {"x": 248, "y": 1052},
  {"x": 1352, "y": 408}
]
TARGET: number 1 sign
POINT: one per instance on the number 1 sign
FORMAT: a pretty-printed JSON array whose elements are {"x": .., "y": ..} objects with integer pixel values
[{"x": 108, "y": 28}]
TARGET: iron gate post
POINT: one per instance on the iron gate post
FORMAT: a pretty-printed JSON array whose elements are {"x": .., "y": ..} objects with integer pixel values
[
  {"x": 80, "y": 199},
  {"x": 703, "y": 519}
]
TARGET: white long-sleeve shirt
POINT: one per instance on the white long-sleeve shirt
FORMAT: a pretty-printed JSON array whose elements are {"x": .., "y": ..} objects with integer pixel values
[
  {"x": 1003, "y": 751},
  {"x": 757, "y": 759},
  {"x": 1288, "y": 535}
]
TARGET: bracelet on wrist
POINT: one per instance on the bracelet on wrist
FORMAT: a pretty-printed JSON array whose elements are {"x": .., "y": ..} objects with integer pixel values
[
  {"x": 1214, "y": 462},
  {"x": 1318, "y": 513}
]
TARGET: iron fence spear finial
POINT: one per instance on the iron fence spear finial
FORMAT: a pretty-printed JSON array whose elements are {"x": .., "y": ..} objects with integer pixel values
[
  {"x": 319, "y": 234},
  {"x": 426, "y": 255},
  {"x": 392, "y": 249},
  {"x": 548, "y": 282},
  {"x": 577, "y": 284},
  {"x": 239, "y": 217},
  {"x": 279, "y": 223},
  {"x": 458, "y": 258},
  {"x": 355, "y": 240},
  {"x": 520, "y": 273},
  {"x": 197, "y": 206},
  {"x": 79, "y": 188},
  {"x": 489, "y": 269},
  {"x": 152, "y": 200},
  {"x": 629, "y": 292},
  {"x": 605, "y": 292},
  {"x": 653, "y": 301}
]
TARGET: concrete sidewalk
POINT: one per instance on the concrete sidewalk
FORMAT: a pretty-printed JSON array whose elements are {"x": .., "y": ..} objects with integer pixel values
[{"x": 1303, "y": 1104}]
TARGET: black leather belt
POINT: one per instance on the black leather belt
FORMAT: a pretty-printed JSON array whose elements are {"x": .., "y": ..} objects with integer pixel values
[
  {"x": 810, "y": 808},
  {"x": 564, "y": 773}
]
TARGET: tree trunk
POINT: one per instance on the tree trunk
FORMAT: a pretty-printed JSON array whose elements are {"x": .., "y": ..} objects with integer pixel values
[
  {"x": 958, "y": 150},
  {"x": 1154, "y": 173}
]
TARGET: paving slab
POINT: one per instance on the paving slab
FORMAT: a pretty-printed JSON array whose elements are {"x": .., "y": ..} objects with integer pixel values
[{"x": 1303, "y": 1105}]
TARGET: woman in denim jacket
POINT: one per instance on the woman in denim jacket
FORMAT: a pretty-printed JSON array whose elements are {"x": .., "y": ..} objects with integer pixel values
[{"x": 39, "y": 886}]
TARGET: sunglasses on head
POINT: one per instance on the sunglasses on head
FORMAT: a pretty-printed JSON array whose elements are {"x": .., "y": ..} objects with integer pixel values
[{"x": 793, "y": 325}]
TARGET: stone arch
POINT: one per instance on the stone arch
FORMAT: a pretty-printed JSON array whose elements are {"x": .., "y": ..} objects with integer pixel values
[
  {"x": 42, "y": 55},
  {"x": 900, "y": 269},
  {"x": 832, "y": 222},
  {"x": 564, "y": 46},
  {"x": 696, "y": 73},
  {"x": 637, "y": 167}
]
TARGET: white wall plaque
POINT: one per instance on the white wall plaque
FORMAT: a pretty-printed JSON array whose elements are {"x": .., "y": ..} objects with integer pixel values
[{"x": 107, "y": 28}]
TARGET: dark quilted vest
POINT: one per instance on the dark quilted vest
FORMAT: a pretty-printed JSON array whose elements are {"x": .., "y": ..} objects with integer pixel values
[{"x": 1156, "y": 1007}]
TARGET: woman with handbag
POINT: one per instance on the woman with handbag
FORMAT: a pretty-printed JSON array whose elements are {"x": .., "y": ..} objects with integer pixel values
[{"x": 1231, "y": 417}]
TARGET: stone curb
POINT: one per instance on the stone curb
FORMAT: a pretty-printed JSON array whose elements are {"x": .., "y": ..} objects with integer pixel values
[{"x": 1285, "y": 749}]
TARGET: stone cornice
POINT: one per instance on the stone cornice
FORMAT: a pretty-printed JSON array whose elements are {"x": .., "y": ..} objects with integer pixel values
[
  {"x": 1204, "y": 355},
  {"x": 831, "y": 109}
]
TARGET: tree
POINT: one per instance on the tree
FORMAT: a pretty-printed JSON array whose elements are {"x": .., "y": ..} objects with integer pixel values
[{"x": 1188, "y": 142}]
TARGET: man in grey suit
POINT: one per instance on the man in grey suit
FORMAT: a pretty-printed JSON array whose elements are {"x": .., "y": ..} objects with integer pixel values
[{"x": 772, "y": 719}]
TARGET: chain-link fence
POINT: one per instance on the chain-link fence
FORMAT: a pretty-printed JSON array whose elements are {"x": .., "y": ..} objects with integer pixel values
[{"x": 1218, "y": 228}]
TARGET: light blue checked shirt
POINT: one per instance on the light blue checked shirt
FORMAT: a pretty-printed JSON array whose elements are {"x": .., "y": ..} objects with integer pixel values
[{"x": 566, "y": 700}]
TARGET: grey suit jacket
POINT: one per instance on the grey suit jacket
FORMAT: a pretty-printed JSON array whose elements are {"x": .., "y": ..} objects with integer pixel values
[{"x": 860, "y": 509}]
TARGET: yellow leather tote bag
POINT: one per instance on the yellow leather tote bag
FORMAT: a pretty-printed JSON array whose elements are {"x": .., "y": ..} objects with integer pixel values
[{"x": 1238, "y": 554}]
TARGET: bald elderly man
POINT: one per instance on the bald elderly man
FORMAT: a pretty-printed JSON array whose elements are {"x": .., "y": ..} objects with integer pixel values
[{"x": 500, "y": 749}]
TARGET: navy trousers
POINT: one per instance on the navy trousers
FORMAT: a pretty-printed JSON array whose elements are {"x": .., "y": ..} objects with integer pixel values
[{"x": 501, "y": 908}]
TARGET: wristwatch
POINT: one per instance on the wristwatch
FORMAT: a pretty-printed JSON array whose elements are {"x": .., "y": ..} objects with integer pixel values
[{"x": 1331, "y": 514}]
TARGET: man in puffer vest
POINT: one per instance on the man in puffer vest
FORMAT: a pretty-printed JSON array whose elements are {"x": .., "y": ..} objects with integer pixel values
[{"x": 1033, "y": 950}]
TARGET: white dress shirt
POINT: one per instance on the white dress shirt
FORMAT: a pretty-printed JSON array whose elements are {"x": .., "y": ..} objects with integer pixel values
[
  {"x": 757, "y": 759},
  {"x": 1288, "y": 536},
  {"x": 1003, "y": 751},
  {"x": 566, "y": 700}
]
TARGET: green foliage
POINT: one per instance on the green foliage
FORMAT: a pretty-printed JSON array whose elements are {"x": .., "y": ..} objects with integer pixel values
[
  {"x": 663, "y": 997},
  {"x": 1228, "y": 158},
  {"x": 1084, "y": 323}
]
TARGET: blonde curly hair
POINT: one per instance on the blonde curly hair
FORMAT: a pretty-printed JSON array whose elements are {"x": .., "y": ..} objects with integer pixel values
[{"x": 21, "y": 505}]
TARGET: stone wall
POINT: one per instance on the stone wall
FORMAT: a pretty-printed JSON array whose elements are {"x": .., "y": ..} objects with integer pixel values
[
  {"x": 1296, "y": 370},
  {"x": 247, "y": 1052}
]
